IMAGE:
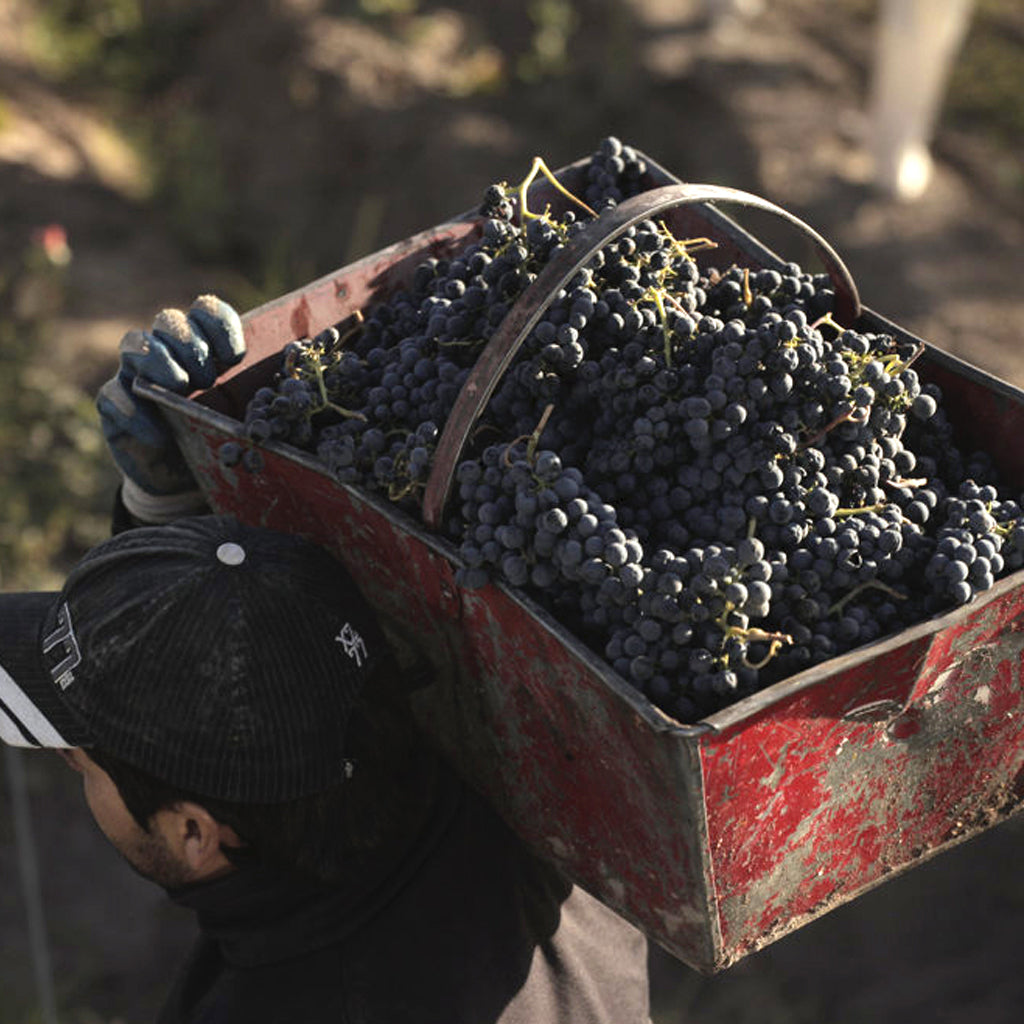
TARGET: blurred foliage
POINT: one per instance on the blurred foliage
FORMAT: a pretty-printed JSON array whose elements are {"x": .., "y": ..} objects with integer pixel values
[
  {"x": 125, "y": 54},
  {"x": 190, "y": 184},
  {"x": 130, "y": 48},
  {"x": 554, "y": 22},
  {"x": 378, "y": 7},
  {"x": 540, "y": 47},
  {"x": 137, "y": 58},
  {"x": 986, "y": 86},
  {"x": 988, "y": 80},
  {"x": 77, "y": 35},
  {"x": 57, "y": 477}
]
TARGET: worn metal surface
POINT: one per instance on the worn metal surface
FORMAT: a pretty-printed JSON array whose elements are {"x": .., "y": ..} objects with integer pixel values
[
  {"x": 716, "y": 838},
  {"x": 856, "y": 777}
]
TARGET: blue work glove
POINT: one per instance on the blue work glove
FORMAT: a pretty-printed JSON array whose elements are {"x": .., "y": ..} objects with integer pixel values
[{"x": 182, "y": 352}]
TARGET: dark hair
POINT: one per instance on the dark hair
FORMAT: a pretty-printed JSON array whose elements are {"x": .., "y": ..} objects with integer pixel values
[{"x": 383, "y": 801}]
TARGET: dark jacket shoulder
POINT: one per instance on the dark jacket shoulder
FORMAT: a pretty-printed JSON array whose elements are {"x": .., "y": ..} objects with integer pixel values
[{"x": 467, "y": 928}]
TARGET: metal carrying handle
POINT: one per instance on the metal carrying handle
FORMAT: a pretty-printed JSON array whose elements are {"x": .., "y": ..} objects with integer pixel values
[{"x": 533, "y": 304}]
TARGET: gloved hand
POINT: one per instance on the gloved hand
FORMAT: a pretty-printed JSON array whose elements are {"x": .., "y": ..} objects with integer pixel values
[{"x": 182, "y": 352}]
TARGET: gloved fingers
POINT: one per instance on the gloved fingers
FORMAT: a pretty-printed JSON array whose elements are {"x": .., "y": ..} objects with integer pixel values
[
  {"x": 181, "y": 352},
  {"x": 185, "y": 351},
  {"x": 146, "y": 355},
  {"x": 187, "y": 345},
  {"x": 122, "y": 415},
  {"x": 221, "y": 326}
]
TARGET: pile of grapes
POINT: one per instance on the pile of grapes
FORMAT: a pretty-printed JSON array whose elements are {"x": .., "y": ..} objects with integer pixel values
[{"x": 698, "y": 472}]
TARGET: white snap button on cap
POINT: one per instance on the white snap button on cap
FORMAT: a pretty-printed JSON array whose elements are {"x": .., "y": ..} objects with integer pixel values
[{"x": 231, "y": 554}]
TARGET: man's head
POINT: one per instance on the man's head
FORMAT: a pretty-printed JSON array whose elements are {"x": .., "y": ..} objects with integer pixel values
[
  {"x": 204, "y": 662},
  {"x": 180, "y": 842}
]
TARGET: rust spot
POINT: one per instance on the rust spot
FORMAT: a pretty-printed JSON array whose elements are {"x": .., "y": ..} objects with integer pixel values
[
  {"x": 991, "y": 811},
  {"x": 905, "y": 726},
  {"x": 300, "y": 318}
]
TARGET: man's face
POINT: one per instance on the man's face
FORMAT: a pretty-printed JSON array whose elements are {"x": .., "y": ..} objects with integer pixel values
[{"x": 147, "y": 852}]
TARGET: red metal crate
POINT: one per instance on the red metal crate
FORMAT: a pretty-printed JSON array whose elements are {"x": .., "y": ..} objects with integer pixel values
[{"x": 715, "y": 838}]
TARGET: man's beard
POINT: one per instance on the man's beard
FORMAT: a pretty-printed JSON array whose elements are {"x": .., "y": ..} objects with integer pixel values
[{"x": 150, "y": 858}]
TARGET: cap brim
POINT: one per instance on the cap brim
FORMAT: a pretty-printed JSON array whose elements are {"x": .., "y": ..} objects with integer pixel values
[{"x": 31, "y": 713}]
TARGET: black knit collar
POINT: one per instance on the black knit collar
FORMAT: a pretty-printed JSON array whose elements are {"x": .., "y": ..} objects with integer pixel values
[{"x": 260, "y": 915}]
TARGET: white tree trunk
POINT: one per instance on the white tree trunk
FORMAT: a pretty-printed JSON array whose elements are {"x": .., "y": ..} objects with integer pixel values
[{"x": 916, "y": 45}]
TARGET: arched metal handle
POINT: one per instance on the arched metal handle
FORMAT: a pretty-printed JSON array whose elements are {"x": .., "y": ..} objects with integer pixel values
[{"x": 533, "y": 303}]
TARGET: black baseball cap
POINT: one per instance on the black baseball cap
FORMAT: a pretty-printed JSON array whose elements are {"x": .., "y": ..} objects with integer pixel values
[{"x": 222, "y": 658}]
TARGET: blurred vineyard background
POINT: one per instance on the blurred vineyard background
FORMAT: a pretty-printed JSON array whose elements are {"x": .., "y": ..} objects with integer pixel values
[{"x": 151, "y": 150}]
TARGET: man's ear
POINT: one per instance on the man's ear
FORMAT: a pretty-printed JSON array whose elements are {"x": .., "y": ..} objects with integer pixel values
[{"x": 195, "y": 836}]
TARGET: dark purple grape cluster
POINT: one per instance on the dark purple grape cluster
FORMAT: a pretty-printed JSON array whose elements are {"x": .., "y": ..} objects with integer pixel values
[
  {"x": 978, "y": 537},
  {"x": 615, "y": 173},
  {"x": 695, "y": 470},
  {"x": 532, "y": 521}
]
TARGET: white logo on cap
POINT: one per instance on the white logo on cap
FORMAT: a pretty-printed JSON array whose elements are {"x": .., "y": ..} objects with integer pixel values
[
  {"x": 352, "y": 643},
  {"x": 64, "y": 634}
]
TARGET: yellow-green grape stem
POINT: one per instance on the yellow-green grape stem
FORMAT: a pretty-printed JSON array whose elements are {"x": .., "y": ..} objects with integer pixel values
[
  {"x": 899, "y": 366},
  {"x": 775, "y": 641},
  {"x": 349, "y": 414},
  {"x": 843, "y": 513},
  {"x": 539, "y": 167},
  {"x": 841, "y": 418},
  {"x": 859, "y": 589},
  {"x": 1006, "y": 528},
  {"x": 826, "y": 320},
  {"x": 904, "y": 482},
  {"x": 356, "y": 327},
  {"x": 531, "y": 444},
  {"x": 325, "y": 402},
  {"x": 684, "y": 247}
]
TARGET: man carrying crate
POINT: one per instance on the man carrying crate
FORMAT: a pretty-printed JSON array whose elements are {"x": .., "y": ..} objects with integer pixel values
[{"x": 240, "y": 722}]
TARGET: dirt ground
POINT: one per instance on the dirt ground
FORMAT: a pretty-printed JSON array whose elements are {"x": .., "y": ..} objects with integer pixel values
[{"x": 321, "y": 137}]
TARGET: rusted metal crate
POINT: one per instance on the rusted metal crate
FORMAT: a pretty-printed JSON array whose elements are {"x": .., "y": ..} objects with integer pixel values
[{"x": 715, "y": 838}]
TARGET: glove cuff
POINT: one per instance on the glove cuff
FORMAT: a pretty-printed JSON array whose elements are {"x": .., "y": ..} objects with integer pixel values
[{"x": 158, "y": 509}]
